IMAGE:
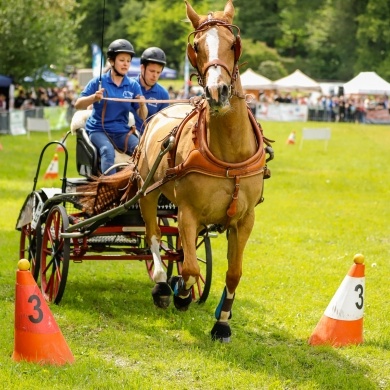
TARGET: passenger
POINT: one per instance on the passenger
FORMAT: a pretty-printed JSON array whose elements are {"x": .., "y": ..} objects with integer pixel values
[
  {"x": 153, "y": 61},
  {"x": 108, "y": 126}
]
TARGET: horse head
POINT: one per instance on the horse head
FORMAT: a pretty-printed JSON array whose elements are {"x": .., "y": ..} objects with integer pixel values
[{"x": 214, "y": 53}]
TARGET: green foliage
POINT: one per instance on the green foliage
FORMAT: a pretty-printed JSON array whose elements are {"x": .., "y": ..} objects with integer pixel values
[
  {"x": 259, "y": 57},
  {"x": 374, "y": 38},
  {"x": 259, "y": 20},
  {"x": 273, "y": 70},
  {"x": 35, "y": 34}
]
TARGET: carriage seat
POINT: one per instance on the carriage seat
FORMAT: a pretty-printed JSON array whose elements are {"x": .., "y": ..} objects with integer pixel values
[
  {"x": 87, "y": 156},
  {"x": 87, "y": 159}
]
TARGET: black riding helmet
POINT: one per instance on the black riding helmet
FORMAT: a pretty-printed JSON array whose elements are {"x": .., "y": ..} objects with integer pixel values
[
  {"x": 153, "y": 54},
  {"x": 120, "y": 46}
]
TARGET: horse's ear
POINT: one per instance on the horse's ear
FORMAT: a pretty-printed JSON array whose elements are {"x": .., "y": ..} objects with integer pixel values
[
  {"x": 192, "y": 15},
  {"x": 191, "y": 55},
  {"x": 229, "y": 11}
]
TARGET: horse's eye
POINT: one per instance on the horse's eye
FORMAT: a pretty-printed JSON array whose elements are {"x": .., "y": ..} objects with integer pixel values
[{"x": 195, "y": 47}]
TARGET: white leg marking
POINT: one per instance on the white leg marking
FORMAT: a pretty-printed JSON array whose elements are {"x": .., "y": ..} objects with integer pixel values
[
  {"x": 159, "y": 274},
  {"x": 212, "y": 42}
]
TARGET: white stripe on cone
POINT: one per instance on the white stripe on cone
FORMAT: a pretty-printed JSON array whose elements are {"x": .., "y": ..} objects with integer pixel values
[{"x": 347, "y": 304}]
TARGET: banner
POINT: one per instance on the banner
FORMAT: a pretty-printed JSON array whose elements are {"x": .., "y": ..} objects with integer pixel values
[
  {"x": 381, "y": 116},
  {"x": 97, "y": 60},
  {"x": 282, "y": 112}
]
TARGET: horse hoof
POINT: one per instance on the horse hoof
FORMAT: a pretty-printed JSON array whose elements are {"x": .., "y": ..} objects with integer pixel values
[
  {"x": 161, "y": 294},
  {"x": 182, "y": 303},
  {"x": 177, "y": 286},
  {"x": 221, "y": 332}
]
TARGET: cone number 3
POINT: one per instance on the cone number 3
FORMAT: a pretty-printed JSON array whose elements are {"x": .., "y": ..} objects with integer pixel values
[
  {"x": 38, "y": 317},
  {"x": 360, "y": 290}
]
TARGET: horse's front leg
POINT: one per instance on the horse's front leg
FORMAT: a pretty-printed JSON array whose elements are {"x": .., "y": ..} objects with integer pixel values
[
  {"x": 182, "y": 285},
  {"x": 237, "y": 238},
  {"x": 161, "y": 291}
]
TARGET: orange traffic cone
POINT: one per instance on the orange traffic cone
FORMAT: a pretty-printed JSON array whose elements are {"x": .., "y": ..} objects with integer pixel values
[
  {"x": 37, "y": 336},
  {"x": 342, "y": 322},
  {"x": 60, "y": 148},
  {"x": 291, "y": 138},
  {"x": 52, "y": 170}
]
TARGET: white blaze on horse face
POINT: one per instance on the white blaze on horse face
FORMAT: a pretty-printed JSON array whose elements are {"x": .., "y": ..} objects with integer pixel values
[
  {"x": 159, "y": 274},
  {"x": 212, "y": 41}
]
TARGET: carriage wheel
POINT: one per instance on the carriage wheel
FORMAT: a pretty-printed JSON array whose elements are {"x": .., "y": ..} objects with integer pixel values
[
  {"x": 28, "y": 248},
  {"x": 201, "y": 289},
  {"x": 165, "y": 245},
  {"x": 54, "y": 253}
]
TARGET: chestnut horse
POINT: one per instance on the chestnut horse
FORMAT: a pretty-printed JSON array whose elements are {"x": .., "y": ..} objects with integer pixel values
[{"x": 215, "y": 173}]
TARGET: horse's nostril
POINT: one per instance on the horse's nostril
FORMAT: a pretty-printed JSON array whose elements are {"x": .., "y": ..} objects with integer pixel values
[{"x": 224, "y": 91}]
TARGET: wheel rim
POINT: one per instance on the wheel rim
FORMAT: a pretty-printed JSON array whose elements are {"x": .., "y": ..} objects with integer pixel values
[
  {"x": 204, "y": 256},
  {"x": 54, "y": 255},
  {"x": 28, "y": 249}
]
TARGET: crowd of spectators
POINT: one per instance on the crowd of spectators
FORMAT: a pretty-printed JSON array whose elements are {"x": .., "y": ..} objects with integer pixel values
[
  {"x": 331, "y": 108},
  {"x": 30, "y": 98}
]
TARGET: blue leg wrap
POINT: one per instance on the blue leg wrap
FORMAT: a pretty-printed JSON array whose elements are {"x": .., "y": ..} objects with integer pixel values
[{"x": 225, "y": 304}]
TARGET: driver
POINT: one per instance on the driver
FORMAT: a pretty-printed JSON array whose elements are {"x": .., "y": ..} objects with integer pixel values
[{"x": 108, "y": 126}]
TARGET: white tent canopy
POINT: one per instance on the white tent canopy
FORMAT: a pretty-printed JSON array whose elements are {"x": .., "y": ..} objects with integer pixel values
[
  {"x": 253, "y": 80},
  {"x": 297, "y": 81},
  {"x": 367, "y": 83}
]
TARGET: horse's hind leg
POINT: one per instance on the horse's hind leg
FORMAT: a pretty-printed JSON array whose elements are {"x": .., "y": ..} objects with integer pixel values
[
  {"x": 161, "y": 291},
  {"x": 237, "y": 239}
]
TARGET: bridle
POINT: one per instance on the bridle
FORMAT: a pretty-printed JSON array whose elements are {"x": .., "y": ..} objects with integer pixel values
[{"x": 192, "y": 50}]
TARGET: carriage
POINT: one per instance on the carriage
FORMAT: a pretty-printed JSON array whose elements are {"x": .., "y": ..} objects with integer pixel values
[
  {"x": 55, "y": 230},
  {"x": 189, "y": 154}
]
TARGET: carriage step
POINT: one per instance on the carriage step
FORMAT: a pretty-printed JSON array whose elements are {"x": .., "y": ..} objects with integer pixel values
[{"x": 114, "y": 240}]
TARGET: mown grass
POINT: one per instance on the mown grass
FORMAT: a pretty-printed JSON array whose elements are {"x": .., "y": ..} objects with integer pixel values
[{"x": 320, "y": 209}]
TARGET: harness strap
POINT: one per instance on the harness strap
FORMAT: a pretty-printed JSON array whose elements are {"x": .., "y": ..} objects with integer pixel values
[{"x": 201, "y": 160}]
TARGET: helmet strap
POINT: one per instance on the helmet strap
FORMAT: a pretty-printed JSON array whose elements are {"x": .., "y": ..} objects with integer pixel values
[
  {"x": 116, "y": 72},
  {"x": 143, "y": 77}
]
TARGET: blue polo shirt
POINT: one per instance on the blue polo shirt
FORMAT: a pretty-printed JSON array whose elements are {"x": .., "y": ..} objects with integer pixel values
[
  {"x": 116, "y": 117},
  {"x": 157, "y": 92}
]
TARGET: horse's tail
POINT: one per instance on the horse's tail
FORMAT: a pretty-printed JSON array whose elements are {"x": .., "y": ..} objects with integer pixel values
[{"x": 106, "y": 192}]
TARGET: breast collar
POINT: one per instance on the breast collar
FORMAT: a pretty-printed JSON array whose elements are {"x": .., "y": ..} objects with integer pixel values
[{"x": 201, "y": 160}]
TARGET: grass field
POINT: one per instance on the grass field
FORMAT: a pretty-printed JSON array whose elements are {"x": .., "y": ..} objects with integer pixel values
[{"x": 320, "y": 209}]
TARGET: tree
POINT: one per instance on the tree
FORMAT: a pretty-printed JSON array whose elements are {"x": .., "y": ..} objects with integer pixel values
[
  {"x": 373, "y": 37},
  {"x": 36, "y": 34},
  {"x": 259, "y": 20}
]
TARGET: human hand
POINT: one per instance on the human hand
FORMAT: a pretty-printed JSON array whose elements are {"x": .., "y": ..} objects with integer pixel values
[
  {"x": 99, "y": 95},
  {"x": 142, "y": 100}
]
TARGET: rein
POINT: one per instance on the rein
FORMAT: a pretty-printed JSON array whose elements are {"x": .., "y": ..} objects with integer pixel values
[{"x": 147, "y": 101}]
